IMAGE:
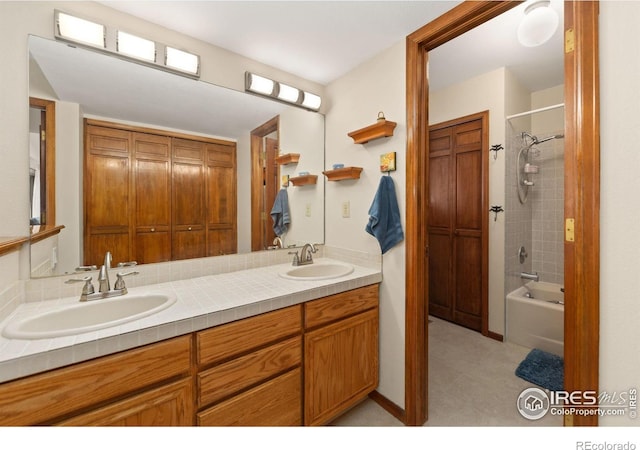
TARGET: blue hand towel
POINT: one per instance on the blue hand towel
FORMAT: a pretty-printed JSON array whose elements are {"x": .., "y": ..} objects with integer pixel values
[
  {"x": 384, "y": 221},
  {"x": 280, "y": 213}
]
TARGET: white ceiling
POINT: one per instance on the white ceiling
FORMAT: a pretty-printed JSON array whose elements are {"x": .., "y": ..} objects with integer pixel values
[{"x": 322, "y": 40}]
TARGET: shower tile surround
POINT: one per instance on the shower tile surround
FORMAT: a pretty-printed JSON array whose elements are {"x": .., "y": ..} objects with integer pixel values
[
  {"x": 23, "y": 357},
  {"x": 538, "y": 223}
]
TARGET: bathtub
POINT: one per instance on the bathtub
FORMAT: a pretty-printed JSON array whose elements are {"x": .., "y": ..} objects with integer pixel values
[{"x": 535, "y": 317}]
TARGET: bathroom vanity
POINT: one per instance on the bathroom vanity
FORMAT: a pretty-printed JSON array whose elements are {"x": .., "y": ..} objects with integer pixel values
[{"x": 302, "y": 364}]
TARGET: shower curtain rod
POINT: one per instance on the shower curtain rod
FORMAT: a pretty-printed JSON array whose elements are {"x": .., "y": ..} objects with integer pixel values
[{"x": 533, "y": 111}]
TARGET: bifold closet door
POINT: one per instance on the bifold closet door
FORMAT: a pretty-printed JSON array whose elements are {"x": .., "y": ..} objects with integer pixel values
[{"x": 457, "y": 223}]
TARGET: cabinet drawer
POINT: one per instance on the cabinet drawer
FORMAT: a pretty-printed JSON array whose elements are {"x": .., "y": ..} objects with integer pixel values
[
  {"x": 233, "y": 376},
  {"x": 242, "y": 336},
  {"x": 277, "y": 402},
  {"x": 40, "y": 398},
  {"x": 170, "y": 405},
  {"x": 344, "y": 304}
]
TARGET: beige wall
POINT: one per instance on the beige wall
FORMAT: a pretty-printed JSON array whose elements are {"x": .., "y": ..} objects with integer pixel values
[
  {"x": 620, "y": 208},
  {"x": 356, "y": 99}
]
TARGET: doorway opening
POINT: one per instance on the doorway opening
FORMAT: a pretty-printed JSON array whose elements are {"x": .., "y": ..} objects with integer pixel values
[
  {"x": 581, "y": 202},
  {"x": 265, "y": 173}
]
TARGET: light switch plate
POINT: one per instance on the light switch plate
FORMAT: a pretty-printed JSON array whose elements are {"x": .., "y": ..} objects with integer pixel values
[{"x": 346, "y": 209}]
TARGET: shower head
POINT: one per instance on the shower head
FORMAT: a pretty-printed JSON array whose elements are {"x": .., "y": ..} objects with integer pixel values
[{"x": 548, "y": 138}]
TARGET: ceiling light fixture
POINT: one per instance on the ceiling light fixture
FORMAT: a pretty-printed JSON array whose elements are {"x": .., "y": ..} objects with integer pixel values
[
  {"x": 538, "y": 25},
  {"x": 96, "y": 36},
  {"x": 279, "y": 91},
  {"x": 71, "y": 28}
]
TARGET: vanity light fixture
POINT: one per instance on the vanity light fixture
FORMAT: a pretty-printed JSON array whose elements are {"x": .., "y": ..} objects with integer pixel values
[
  {"x": 71, "y": 28},
  {"x": 259, "y": 85},
  {"x": 288, "y": 93},
  {"x": 539, "y": 24},
  {"x": 311, "y": 101},
  {"x": 279, "y": 91},
  {"x": 181, "y": 60},
  {"x": 95, "y": 36},
  {"x": 134, "y": 46}
]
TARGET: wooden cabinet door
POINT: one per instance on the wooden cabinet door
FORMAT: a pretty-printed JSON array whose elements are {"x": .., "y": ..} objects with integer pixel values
[
  {"x": 107, "y": 195},
  {"x": 457, "y": 223},
  {"x": 170, "y": 405},
  {"x": 188, "y": 200},
  {"x": 152, "y": 184},
  {"x": 221, "y": 200},
  {"x": 341, "y": 366}
]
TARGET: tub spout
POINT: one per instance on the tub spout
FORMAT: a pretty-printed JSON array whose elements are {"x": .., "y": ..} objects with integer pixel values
[{"x": 530, "y": 276}]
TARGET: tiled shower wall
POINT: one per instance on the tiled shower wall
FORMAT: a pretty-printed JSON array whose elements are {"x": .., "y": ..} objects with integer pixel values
[{"x": 538, "y": 223}]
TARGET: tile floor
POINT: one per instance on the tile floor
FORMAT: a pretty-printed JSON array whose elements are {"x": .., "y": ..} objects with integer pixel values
[{"x": 471, "y": 383}]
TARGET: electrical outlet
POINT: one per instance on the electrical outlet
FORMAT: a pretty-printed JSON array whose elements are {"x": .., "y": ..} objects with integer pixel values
[
  {"x": 346, "y": 209},
  {"x": 307, "y": 210}
]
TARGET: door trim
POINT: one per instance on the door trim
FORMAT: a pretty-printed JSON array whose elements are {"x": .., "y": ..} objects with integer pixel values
[{"x": 582, "y": 200}]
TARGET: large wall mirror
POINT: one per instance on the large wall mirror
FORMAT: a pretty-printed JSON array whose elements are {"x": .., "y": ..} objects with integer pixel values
[{"x": 85, "y": 84}]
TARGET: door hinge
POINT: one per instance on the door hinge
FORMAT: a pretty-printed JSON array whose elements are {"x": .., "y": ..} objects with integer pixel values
[
  {"x": 43, "y": 135},
  {"x": 569, "y": 230},
  {"x": 569, "y": 40}
]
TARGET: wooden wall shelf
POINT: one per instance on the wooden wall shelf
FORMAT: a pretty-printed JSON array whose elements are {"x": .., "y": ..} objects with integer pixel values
[
  {"x": 289, "y": 158},
  {"x": 303, "y": 180},
  {"x": 344, "y": 173},
  {"x": 382, "y": 128}
]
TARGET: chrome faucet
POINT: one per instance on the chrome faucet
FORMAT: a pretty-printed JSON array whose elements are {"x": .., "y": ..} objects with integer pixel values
[
  {"x": 305, "y": 254},
  {"x": 103, "y": 276},
  {"x": 277, "y": 243},
  {"x": 530, "y": 276},
  {"x": 104, "y": 289}
]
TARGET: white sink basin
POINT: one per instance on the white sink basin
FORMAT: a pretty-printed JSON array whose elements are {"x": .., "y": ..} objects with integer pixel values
[
  {"x": 317, "y": 271},
  {"x": 87, "y": 316}
]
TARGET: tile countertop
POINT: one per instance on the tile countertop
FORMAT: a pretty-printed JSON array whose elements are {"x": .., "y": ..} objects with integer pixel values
[{"x": 201, "y": 303}]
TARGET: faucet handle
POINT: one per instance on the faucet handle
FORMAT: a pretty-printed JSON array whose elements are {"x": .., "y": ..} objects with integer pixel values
[
  {"x": 85, "y": 268},
  {"x": 296, "y": 258},
  {"x": 88, "y": 286},
  {"x": 120, "y": 286}
]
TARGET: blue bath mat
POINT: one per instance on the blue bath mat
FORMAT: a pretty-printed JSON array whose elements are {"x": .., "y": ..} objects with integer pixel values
[{"x": 544, "y": 369}]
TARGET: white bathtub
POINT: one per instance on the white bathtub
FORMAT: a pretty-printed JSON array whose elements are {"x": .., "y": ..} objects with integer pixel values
[{"x": 536, "y": 322}]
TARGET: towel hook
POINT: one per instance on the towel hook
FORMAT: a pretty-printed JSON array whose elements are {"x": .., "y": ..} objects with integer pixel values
[
  {"x": 495, "y": 210},
  {"x": 496, "y": 148}
]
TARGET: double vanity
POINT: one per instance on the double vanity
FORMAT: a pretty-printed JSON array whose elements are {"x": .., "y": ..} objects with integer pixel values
[{"x": 272, "y": 345}]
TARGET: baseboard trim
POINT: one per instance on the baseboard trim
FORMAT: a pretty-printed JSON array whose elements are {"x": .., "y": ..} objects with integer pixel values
[
  {"x": 388, "y": 406},
  {"x": 496, "y": 336}
]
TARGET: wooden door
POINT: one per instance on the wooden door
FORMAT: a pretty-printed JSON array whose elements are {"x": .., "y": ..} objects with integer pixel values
[
  {"x": 457, "y": 222},
  {"x": 221, "y": 179},
  {"x": 152, "y": 185},
  {"x": 188, "y": 197},
  {"x": 107, "y": 195},
  {"x": 271, "y": 187}
]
